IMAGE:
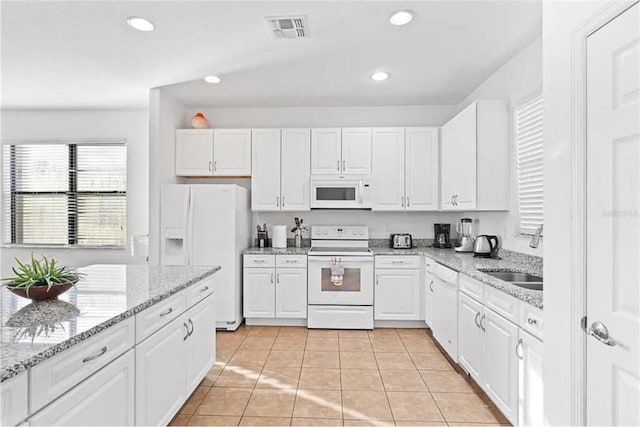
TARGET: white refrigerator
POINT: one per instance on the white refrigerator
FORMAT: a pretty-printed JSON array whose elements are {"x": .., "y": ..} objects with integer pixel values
[{"x": 208, "y": 224}]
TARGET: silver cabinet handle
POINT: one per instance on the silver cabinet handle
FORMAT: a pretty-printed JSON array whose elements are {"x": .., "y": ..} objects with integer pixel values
[
  {"x": 431, "y": 286},
  {"x": 397, "y": 262},
  {"x": 278, "y": 278},
  {"x": 519, "y": 348},
  {"x": 167, "y": 312},
  {"x": 599, "y": 331},
  {"x": 103, "y": 350},
  {"x": 261, "y": 261},
  {"x": 377, "y": 280},
  {"x": 452, "y": 204},
  {"x": 206, "y": 288},
  {"x": 283, "y": 201},
  {"x": 215, "y": 165},
  {"x": 476, "y": 320},
  {"x": 482, "y": 324},
  {"x": 408, "y": 201},
  {"x": 344, "y": 165},
  {"x": 192, "y": 327},
  {"x": 290, "y": 261},
  {"x": 456, "y": 199},
  {"x": 402, "y": 201},
  {"x": 338, "y": 165},
  {"x": 209, "y": 165},
  {"x": 532, "y": 321},
  {"x": 187, "y": 328},
  {"x": 271, "y": 277},
  {"x": 277, "y": 201}
]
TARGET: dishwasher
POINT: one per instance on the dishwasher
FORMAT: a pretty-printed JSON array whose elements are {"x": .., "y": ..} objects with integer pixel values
[{"x": 445, "y": 309}]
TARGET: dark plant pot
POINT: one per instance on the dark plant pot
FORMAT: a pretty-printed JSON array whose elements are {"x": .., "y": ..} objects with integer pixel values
[{"x": 40, "y": 293}]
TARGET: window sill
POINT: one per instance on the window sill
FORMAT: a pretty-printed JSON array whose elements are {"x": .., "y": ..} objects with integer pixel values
[{"x": 25, "y": 246}]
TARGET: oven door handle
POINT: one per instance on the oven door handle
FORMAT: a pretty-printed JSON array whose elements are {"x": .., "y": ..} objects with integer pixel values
[{"x": 347, "y": 260}]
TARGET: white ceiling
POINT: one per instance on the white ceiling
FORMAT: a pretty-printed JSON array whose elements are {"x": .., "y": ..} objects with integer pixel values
[{"x": 81, "y": 54}]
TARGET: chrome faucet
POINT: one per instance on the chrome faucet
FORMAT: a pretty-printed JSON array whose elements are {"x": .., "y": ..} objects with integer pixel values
[{"x": 535, "y": 239}]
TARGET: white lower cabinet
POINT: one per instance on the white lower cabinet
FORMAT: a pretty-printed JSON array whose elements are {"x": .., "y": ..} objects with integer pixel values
[
  {"x": 397, "y": 295},
  {"x": 530, "y": 384},
  {"x": 428, "y": 292},
  {"x": 291, "y": 293},
  {"x": 470, "y": 336},
  {"x": 259, "y": 292},
  {"x": 106, "y": 399},
  {"x": 14, "y": 399},
  {"x": 200, "y": 348}
]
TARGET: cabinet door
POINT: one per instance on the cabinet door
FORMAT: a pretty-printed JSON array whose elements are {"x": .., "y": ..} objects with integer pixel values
[
  {"x": 500, "y": 363},
  {"x": 291, "y": 293},
  {"x": 259, "y": 292},
  {"x": 296, "y": 167},
  {"x": 160, "y": 374},
  {"x": 397, "y": 295},
  {"x": 421, "y": 178},
  {"x": 265, "y": 176},
  {"x": 530, "y": 385},
  {"x": 232, "y": 152},
  {"x": 104, "y": 399},
  {"x": 194, "y": 152},
  {"x": 470, "y": 335},
  {"x": 200, "y": 350},
  {"x": 428, "y": 300},
  {"x": 14, "y": 399},
  {"x": 388, "y": 169},
  {"x": 356, "y": 151},
  {"x": 326, "y": 151}
]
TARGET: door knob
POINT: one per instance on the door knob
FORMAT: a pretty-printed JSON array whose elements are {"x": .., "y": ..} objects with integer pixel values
[{"x": 600, "y": 332}]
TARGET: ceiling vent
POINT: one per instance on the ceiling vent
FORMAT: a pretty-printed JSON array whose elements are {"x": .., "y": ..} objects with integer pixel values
[{"x": 288, "y": 27}]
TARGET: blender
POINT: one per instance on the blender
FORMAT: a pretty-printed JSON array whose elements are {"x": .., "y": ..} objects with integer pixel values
[{"x": 465, "y": 231}]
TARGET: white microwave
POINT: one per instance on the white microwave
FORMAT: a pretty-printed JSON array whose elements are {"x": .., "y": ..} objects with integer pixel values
[{"x": 347, "y": 192}]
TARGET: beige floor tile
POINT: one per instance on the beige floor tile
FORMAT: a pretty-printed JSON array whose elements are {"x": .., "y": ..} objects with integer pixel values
[
  {"x": 446, "y": 381},
  {"x": 361, "y": 379},
  {"x": 192, "y": 403},
  {"x": 394, "y": 361},
  {"x": 242, "y": 330},
  {"x": 369, "y": 423},
  {"x": 383, "y": 345},
  {"x": 414, "y": 406},
  {"x": 321, "y": 359},
  {"x": 318, "y": 404},
  {"x": 295, "y": 342},
  {"x": 262, "y": 331},
  {"x": 320, "y": 379},
  {"x": 285, "y": 358},
  {"x": 233, "y": 376},
  {"x": 271, "y": 403},
  {"x": 293, "y": 331},
  {"x": 322, "y": 344},
  {"x": 352, "y": 333},
  {"x": 249, "y": 358},
  {"x": 478, "y": 424},
  {"x": 265, "y": 421},
  {"x": 431, "y": 361},
  {"x": 323, "y": 333},
  {"x": 383, "y": 333},
  {"x": 355, "y": 344},
  {"x": 224, "y": 401},
  {"x": 415, "y": 345},
  {"x": 467, "y": 407},
  {"x": 365, "y": 405},
  {"x": 223, "y": 357},
  {"x": 228, "y": 347},
  {"x": 402, "y": 380},
  {"x": 213, "y": 420},
  {"x": 211, "y": 376},
  {"x": 279, "y": 377},
  {"x": 357, "y": 360},
  {"x": 257, "y": 343},
  {"x": 412, "y": 332},
  {"x": 421, "y": 423},
  {"x": 180, "y": 420},
  {"x": 316, "y": 422}
]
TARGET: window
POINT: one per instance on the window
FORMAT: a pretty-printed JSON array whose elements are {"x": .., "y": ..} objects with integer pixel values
[
  {"x": 530, "y": 162},
  {"x": 65, "y": 194}
]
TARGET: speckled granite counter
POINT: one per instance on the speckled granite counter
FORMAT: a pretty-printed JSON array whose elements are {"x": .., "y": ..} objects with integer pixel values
[
  {"x": 277, "y": 251},
  {"x": 467, "y": 264},
  {"x": 33, "y": 332}
]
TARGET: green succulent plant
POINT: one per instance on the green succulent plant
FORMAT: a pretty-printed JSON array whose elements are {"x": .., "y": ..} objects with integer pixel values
[{"x": 40, "y": 273}]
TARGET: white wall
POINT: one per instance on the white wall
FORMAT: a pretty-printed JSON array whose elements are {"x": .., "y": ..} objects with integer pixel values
[{"x": 60, "y": 124}]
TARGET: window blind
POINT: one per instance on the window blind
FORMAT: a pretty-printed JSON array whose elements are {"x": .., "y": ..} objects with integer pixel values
[
  {"x": 68, "y": 194},
  {"x": 529, "y": 122}
]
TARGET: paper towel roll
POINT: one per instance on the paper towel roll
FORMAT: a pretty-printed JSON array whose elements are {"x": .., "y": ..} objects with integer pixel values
[{"x": 279, "y": 236}]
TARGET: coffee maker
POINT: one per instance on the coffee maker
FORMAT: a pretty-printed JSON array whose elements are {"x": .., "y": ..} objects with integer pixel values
[{"x": 442, "y": 234}]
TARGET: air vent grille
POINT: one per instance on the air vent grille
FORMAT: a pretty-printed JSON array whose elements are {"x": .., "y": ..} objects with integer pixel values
[{"x": 288, "y": 27}]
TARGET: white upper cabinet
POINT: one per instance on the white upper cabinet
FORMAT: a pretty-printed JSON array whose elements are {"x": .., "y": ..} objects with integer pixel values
[
  {"x": 326, "y": 146},
  {"x": 388, "y": 169},
  {"x": 232, "y": 152},
  {"x": 421, "y": 169},
  {"x": 475, "y": 161},
  {"x": 265, "y": 177},
  {"x": 194, "y": 152},
  {"x": 356, "y": 151},
  {"x": 295, "y": 167}
]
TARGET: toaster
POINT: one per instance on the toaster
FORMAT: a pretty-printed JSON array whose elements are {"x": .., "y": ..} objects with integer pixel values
[{"x": 401, "y": 241}]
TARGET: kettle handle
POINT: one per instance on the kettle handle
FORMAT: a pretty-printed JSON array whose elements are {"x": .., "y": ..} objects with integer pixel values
[{"x": 493, "y": 243}]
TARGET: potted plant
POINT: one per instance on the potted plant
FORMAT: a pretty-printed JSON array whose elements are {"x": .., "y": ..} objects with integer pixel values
[{"x": 41, "y": 279}]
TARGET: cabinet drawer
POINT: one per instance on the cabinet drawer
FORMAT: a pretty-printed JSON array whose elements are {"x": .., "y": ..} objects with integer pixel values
[
  {"x": 14, "y": 396},
  {"x": 503, "y": 304},
  {"x": 386, "y": 261},
  {"x": 55, "y": 376},
  {"x": 429, "y": 265},
  {"x": 259, "y": 261},
  {"x": 531, "y": 320},
  {"x": 291, "y": 261},
  {"x": 472, "y": 287},
  {"x": 446, "y": 274},
  {"x": 153, "y": 318},
  {"x": 199, "y": 291}
]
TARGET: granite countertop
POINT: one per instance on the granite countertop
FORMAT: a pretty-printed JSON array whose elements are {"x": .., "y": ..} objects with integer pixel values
[
  {"x": 467, "y": 264},
  {"x": 277, "y": 251},
  {"x": 33, "y": 332}
]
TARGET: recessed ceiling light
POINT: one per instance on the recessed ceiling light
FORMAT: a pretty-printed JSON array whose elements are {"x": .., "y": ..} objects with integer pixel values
[
  {"x": 401, "y": 17},
  {"x": 212, "y": 79},
  {"x": 379, "y": 76},
  {"x": 140, "y": 24}
]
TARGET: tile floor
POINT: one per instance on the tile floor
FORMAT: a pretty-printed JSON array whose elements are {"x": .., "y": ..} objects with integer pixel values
[{"x": 293, "y": 376}]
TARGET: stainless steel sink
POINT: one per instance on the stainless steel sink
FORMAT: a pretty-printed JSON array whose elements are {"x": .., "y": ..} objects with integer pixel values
[{"x": 523, "y": 280}]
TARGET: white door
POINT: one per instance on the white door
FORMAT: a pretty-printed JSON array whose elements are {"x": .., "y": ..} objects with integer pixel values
[
  {"x": 104, "y": 399},
  {"x": 470, "y": 336},
  {"x": 388, "y": 169},
  {"x": 265, "y": 174},
  {"x": 291, "y": 293},
  {"x": 200, "y": 347},
  {"x": 296, "y": 169},
  {"x": 613, "y": 222},
  {"x": 397, "y": 295},
  {"x": 160, "y": 373},
  {"x": 194, "y": 152},
  {"x": 232, "y": 152},
  {"x": 356, "y": 151},
  {"x": 500, "y": 363},
  {"x": 259, "y": 292},
  {"x": 326, "y": 151},
  {"x": 530, "y": 386},
  {"x": 421, "y": 175}
]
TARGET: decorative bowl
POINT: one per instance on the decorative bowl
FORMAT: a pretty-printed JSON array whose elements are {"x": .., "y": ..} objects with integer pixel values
[{"x": 41, "y": 293}]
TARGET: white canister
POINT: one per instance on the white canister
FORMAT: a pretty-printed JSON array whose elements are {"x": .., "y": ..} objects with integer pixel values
[{"x": 279, "y": 236}]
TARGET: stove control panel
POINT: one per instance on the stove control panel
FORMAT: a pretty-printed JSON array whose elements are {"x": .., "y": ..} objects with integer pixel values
[{"x": 338, "y": 232}]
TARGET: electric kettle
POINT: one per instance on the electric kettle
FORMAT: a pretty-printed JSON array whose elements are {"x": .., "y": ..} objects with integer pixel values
[{"x": 486, "y": 246}]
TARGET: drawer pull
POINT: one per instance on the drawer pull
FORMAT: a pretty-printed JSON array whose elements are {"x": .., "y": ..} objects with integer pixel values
[
  {"x": 291, "y": 261},
  {"x": 482, "y": 324},
  {"x": 164, "y": 313},
  {"x": 261, "y": 261},
  {"x": 187, "y": 328},
  {"x": 397, "y": 262},
  {"x": 206, "y": 288},
  {"x": 476, "y": 320},
  {"x": 519, "y": 349},
  {"x": 103, "y": 350},
  {"x": 532, "y": 321},
  {"x": 192, "y": 328}
]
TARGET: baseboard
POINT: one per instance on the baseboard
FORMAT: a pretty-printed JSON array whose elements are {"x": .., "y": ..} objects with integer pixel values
[
  {"x": 275, "y": 322},
  {"x": 400, "y": 324}
]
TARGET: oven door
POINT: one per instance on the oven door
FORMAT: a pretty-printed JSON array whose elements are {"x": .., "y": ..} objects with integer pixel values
[
  {"x": 353, "y": 287},
  {"x": 340, "y": 194}
]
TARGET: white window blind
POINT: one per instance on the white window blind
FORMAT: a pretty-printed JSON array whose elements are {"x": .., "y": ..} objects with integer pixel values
[
  {"x": 529, "y": 134},
  {"x": 67, "y": 194}
]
